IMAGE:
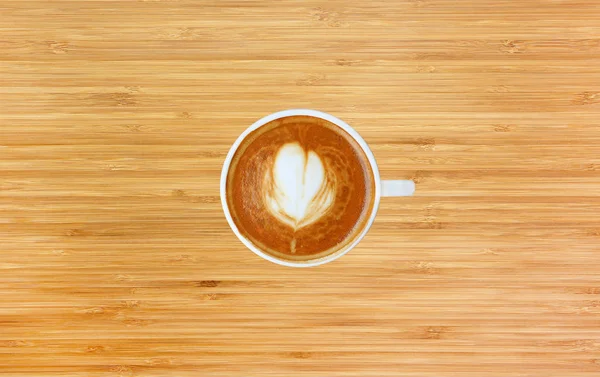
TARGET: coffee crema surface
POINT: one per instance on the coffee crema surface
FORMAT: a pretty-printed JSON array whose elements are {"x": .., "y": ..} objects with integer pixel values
[{"x": 300, "y": 188}]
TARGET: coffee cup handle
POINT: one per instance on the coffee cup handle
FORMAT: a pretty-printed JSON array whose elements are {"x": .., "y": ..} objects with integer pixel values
[{"x": 397, "y": 188}]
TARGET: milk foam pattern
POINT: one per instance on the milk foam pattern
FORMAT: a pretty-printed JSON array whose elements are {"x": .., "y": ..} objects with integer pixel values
[{"x": 296, "y": 188}]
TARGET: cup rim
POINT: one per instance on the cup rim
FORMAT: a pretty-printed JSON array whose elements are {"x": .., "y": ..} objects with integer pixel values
[{"x": 317, "y": 114}]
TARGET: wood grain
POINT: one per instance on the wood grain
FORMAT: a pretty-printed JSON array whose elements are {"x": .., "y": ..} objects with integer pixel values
[{"x": 116, "y": 259}]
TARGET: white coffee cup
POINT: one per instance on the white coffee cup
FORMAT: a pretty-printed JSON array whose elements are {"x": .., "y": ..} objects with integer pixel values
[{"x": 382, "y": 188}]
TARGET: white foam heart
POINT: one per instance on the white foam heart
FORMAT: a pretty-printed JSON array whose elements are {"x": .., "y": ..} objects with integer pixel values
[{"x": 296, "y": 189}]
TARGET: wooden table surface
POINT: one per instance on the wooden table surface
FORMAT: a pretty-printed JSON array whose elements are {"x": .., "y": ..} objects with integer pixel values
[{"x": 115, "y": 256}]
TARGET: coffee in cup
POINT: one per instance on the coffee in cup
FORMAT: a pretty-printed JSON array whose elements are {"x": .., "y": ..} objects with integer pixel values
[{"x": 300, "y": 188}]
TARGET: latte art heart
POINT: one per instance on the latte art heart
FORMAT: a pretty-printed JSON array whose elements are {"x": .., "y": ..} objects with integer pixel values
[{"x": 297, "y": 190}]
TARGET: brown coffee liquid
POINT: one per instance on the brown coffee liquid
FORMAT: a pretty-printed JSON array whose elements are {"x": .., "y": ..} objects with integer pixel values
[{"x": 331, "y": 209}]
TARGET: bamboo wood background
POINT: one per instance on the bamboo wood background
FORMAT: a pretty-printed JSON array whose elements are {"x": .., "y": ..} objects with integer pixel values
[{"x": 116, "y": 259}]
